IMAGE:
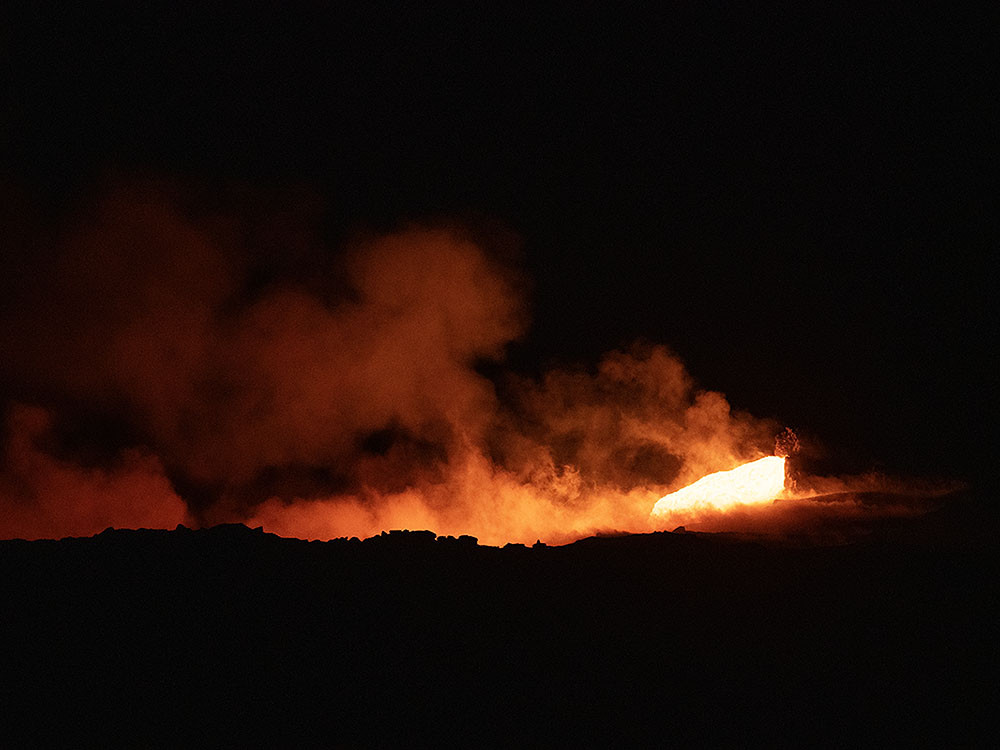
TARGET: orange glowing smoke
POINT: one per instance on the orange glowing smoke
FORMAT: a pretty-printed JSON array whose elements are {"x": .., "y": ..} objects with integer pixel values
[
  {"x": 749, "y": 484},
  {"x": 150, "y": 378}
]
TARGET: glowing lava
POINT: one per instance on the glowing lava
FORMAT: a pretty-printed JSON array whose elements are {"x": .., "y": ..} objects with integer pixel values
[{"x": 754, "y": 482}]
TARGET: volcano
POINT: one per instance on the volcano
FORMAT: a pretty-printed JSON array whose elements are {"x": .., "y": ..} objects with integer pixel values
[{"x": 516, "y": 374}]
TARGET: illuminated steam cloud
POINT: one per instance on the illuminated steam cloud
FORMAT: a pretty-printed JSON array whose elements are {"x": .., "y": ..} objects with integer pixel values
[{"x": 162, "y": 368}]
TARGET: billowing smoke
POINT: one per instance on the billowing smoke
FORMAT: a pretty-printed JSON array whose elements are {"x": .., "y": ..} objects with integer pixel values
[
  {"x": 42, "y": 496},
  {"x": 165, "y": 366}
]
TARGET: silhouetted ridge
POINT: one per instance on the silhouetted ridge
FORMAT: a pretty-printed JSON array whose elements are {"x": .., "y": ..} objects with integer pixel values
[{"x": 230, "y": 635}]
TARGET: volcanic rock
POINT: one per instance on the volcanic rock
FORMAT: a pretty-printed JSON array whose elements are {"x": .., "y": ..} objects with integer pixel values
[{"x": 233, "y": 636}]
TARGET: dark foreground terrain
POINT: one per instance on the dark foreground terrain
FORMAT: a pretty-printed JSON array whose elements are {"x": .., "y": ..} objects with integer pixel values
[{"x": 233, "y": 637}]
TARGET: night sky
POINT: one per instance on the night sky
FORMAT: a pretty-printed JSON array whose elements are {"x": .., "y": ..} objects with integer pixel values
[{"x": 798, "y": 201}]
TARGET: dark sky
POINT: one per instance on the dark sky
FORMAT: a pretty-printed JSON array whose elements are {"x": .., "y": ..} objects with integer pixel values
[{"x": 799, "y": 201}]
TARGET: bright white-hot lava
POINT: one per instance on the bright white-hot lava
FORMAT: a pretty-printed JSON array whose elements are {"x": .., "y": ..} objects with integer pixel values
[{"x": 755, "y": 482}]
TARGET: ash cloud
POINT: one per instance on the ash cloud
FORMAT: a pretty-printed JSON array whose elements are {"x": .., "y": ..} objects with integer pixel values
[
  {"x": 145, "y": 313},
  {"x": 175, "y": 358}
]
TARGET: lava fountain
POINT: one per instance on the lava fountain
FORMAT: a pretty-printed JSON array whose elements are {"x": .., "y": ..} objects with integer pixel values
[{"x": 751, "y": 483}]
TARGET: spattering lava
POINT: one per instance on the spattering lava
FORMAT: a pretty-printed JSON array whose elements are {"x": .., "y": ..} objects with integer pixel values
[{"x": 755, "y": 482}]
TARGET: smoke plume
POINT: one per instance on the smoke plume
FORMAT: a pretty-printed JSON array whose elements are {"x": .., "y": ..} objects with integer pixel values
[{"x": 171, "y": 364}]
